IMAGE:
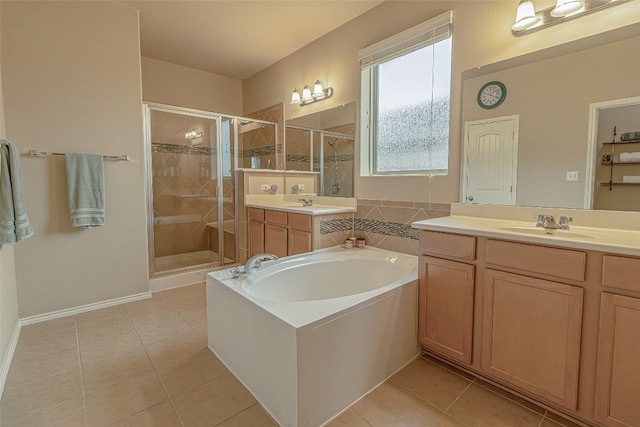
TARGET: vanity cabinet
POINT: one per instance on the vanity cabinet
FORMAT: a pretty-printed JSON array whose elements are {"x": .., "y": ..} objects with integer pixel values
[
  {"x": 446, "y": 293},
  {"x": 279, "y": 233},
  {"x": 618, "y": 374},
  {"x": 531, "y": 334}
]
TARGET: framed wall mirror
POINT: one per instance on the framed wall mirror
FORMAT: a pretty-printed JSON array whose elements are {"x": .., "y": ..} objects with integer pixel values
[
  {"x": 323, "y": 142},
  {"x": 552, "y": 93}
]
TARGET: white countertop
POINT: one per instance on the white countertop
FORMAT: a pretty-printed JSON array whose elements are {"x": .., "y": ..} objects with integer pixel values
[
  {"x": 289, "y": 203},
  {"x": 626, "y": 242}
]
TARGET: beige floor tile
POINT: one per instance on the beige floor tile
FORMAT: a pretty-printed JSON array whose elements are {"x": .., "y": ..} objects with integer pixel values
[
  {"x": 102, "y": 314},
  {"x": 479, "y": 407},
  {"x": 431, "y": 382},
  {"x": 199, "y": 368},
  {"x": 552, "y": 420},
  {"x": 194, "y": 315},
  {"x": 200, "y": 328},
  {"x": 32, "y": 346},
  {"x": 546, "y": 422},
  {"x": 212, "y": 402},
  {"x": 174, "y": 351},
  {"x": 109, "y": 372},
  {"x": 117, "y": 401},
  {"x": 39, "y": 365},
  {"x": 390, "y": 405},
  {"x": 255, "y": 416},
  {"x": 69, "y": 413},
  {"x": 448, "y": 421},
  {"x": 510, "y": 396},
  {"x": 42, "y": 393},
  {"x": 152, "y": 328},
  {"x": 48, "y": 326},
  {"x": 198, "y": 290},
  {"x": 156, "y": 302},
  {"x": 159, "y": 415},
  {"x": 97, "y": 350},
  {"x": 348, "y": 419}
]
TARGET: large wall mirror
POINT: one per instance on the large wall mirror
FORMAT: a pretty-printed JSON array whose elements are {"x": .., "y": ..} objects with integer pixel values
[
  {"x": 323, "y": 142},
  {"x": 560, "y": 137}
]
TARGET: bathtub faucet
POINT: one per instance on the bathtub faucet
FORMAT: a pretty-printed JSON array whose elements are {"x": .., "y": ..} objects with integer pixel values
[{"x": 256, "y": 260}]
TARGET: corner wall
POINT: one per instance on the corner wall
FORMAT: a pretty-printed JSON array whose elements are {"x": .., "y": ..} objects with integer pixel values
[{"x": 72, "y": 83}]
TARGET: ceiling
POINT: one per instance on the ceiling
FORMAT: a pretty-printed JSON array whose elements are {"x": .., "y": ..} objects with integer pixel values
[{"x": 237, "y": 38}]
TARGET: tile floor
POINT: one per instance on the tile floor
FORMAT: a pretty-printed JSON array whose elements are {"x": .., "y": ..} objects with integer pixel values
[{"x": 146, "y": 363}]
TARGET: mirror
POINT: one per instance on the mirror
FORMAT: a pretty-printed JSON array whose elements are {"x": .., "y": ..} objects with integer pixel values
[
  {"x": 552, "y": 93},
  {"x": 323, "y": 142}
]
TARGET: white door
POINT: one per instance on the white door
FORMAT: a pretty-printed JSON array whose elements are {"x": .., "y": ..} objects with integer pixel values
[{"x": 489, "y": 171}]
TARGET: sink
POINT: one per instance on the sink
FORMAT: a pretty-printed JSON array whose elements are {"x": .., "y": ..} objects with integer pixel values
[{"x": 536, "y": 231}]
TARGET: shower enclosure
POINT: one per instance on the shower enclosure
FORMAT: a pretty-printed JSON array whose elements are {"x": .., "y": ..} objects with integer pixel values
[
  {"x": 326, "y": 152},
  {"x": 191, "y": 175}
]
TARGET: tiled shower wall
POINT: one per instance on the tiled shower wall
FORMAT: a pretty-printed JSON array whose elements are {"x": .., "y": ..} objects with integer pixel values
[{"x": 261, "y": 142}]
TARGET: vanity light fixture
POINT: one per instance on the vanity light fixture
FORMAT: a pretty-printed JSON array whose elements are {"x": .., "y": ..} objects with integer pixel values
[
  {"x": 320, "y": 91},
  {"x": 193, "y": 134},
  {"x": 528, "y": 20}
]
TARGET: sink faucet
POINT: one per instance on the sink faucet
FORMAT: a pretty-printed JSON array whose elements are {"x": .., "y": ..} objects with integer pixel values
[
  {"x": 306, "y": 202},
  {"x": 563, "y": 224},
  {"x": 546, "y": 221}
]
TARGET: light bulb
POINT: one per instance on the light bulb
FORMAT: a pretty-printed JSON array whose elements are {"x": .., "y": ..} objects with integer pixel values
[{"x": 525, "y": 16}]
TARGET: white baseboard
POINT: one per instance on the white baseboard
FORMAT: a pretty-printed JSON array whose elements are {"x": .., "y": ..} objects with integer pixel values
[
  {"x": 8, "y": 356},
  {"x": 179, "y": 279},
  {"x": 83, "y": 308}
]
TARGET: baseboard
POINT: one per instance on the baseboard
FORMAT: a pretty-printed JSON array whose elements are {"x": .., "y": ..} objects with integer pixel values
[
  {"x": 177, "y": 280},
  {"x": 8, "y": 356},
  {"x": 81, "y": 309}
]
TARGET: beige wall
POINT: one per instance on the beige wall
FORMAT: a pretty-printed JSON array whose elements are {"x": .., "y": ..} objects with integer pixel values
[
  {"x": 8, "y": 292},
  {"x": 172, "y": 84},
  {"x": 482, "y": 35},
  {"x": 71, "y": 80}
]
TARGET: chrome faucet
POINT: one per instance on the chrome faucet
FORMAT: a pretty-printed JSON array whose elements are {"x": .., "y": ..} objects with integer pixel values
[
  {"x": 563, "y": 224},
  {"x": 546, "y": 221},
  {"x": 306, "y": 202},
  {"x": 256, "y": 261}
]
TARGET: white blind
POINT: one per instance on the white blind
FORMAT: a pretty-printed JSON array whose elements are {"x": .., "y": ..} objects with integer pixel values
[{"x": 429, "y": 32}]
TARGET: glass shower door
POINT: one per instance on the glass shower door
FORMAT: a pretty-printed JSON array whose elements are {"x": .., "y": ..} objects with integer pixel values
[{"x": 185, "y": 169}]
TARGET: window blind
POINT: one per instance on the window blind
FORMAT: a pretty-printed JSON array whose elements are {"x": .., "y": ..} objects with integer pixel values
[{"x": 427, "y": 33}]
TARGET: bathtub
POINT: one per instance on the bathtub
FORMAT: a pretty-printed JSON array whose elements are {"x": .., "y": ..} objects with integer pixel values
[{"x": 308, "y": 335}]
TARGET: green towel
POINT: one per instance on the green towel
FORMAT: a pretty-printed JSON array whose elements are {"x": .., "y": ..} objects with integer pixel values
[
  {"x": 85, "y": 182},
  {"x": 14, "y": 223}
]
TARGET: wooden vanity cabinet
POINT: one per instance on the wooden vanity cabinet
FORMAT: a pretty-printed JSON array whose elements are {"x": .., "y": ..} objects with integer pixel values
[
  {"x": 617, "y": 401},
  {"x": 531, "y": 334},
  {"x": 446, "y": 294},
  {"x": 279, "y": 233}
]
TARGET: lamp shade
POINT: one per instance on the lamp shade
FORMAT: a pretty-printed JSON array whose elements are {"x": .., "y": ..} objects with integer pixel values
[
  {"x": 525, "y": 16},
  {"x": 295, "y": 97},
  {"x": 565, "y": 7},
  {"x": 306, "y": 94},
  {"x": 318, "y": 90}
]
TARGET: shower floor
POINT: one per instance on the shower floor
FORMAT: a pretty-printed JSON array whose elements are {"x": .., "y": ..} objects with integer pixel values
[{"x": 185, "y": 260}]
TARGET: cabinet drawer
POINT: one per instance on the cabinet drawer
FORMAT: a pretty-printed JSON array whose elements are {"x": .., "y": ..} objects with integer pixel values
[
  {"x": 621, "y": 272},
  {"x": 275, "y": 217},
  {"x": 563, "y": 263},
  {"x": 447, "y": 244},
  {"x": 256, "y": 214},
  {"x": 300, "y": 221}
]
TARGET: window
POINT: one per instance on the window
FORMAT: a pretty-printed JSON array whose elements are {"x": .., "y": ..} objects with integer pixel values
[{"x": 406, "y": 82}]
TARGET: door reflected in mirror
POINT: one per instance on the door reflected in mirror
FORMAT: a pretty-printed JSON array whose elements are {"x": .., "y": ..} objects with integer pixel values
[{"x": 323, "y": 142}]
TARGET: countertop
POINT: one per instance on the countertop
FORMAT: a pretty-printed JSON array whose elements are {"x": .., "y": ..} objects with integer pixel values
[
  {"x": 611, "y": 240},
  {"x": 289, "y": 203}
]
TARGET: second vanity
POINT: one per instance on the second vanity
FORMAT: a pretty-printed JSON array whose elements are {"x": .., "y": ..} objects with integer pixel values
[{"x": 554, "y": 318}]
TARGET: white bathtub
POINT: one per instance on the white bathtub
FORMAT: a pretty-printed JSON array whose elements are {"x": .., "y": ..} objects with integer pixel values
[{"x": 309, "y": 335}]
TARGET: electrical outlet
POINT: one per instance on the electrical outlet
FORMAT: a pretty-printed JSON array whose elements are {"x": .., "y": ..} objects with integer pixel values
[
  {"x": 572, "y": 176},
  {"x": 264, "y": 187}
]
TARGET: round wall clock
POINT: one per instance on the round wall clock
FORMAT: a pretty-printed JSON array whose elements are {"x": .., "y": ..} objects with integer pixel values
[{"x": 492, "y": 95}]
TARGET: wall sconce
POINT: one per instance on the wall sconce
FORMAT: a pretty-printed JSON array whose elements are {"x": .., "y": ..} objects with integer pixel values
[
  {"x": 193, "y": 134},
  {"x": 320, "y": 91},
  {"x": 528, "y": 20}
]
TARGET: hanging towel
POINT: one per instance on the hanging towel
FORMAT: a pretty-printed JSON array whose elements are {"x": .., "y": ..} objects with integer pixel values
[
  {"x": 634, "y": 156},
  {"x": 14, "y": 223},
  {"x": 85, "y": 182},
  {"x": 631, "y": 179}
]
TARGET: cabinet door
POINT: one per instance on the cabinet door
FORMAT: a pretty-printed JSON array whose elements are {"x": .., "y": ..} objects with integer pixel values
[
  {"x": 531, "y": 335},
  {"x": 256, "y": 238},
  {"x": 445, "y": 316},
  {"x": 299, "y": 242},
  {"x": 618, "y": 375},
  {"x": 275, "y": 240}
]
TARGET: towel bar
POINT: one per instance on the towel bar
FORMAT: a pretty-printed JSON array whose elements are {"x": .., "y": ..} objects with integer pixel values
[{"x": 37, "y": 153}]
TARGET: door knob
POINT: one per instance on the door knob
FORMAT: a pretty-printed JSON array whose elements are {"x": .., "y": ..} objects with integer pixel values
[{"x": 470, "y": 198}]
